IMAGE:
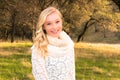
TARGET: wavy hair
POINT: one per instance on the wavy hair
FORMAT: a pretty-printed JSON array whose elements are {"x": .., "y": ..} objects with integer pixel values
[{"x": 40, "y": 41}]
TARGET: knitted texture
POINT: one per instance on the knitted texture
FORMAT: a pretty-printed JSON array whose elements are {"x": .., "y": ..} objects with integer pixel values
[{"x": 59, "y": 64}]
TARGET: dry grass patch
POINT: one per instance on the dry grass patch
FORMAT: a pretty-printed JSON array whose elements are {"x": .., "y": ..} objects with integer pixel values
[
  {"x": 8, "y": 44},
  {"x": 98, "y": 70},
  {"x": 116, "y": 65},
  {"x": 115, "y": 79},
  {"x": 106, "y": 50},
  {"x": 30, "y": 76},
  {"x": 7, "y": 48},
  {"x": 26, "y": 63},
  {"x": 5, "y": 53}
]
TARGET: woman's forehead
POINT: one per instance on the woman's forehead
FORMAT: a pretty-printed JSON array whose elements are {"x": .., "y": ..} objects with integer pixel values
[{"x": 53, "y": 16}]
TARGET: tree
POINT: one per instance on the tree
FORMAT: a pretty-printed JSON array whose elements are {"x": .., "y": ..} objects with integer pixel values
[
  {"x": 19, "y": 17},
  {"x": 117, "y": 2}
]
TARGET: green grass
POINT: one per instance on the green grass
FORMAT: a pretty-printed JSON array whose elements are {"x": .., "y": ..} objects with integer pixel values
[
  {"x": 97, "y": 64},
  {"x": 93, "y": 61},
  {"x": 15, "y": 61}
]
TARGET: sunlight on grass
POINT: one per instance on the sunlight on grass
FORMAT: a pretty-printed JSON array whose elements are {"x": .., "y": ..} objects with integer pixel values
[
  {"x": 98, "y": 70},
  {"x": 99, "y": 46},
  {"x": 117, "y": 64},
  {"x": 5, "y": 53},
  {"x": 115, "y": 79},
  {"x": 26, "y": 63},
  {"x": 30, "y": 76},
  {"x": 7, "y": 49},
  {"x": 8, "y": 44},
  {"x": 103, "y": 49}
]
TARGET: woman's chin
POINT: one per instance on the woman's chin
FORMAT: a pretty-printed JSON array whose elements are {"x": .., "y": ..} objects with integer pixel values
[{"x": 54, "y": 35}]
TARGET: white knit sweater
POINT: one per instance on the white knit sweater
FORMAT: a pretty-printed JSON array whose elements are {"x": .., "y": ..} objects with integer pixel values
[{"x": 59, "y": 64}]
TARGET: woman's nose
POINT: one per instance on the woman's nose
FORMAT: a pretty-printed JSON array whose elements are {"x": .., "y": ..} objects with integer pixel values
[{"x": 54, "y": 26}]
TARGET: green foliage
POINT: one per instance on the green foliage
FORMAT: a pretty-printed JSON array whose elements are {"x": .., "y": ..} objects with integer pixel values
[{"x": 24, "y": 14}]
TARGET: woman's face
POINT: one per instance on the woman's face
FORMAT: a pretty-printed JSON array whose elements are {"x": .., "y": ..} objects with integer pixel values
[{"x": 53, "y": 24}]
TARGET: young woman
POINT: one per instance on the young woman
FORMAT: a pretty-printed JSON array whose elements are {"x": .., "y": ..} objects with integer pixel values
[{"x": 53, "y": 50}]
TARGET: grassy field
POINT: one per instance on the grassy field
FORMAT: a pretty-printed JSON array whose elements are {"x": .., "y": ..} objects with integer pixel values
[
  {"x": 15, "y": 62},
  {"x": 97, "y": 61},
  {"x": 93, "y": 61}
]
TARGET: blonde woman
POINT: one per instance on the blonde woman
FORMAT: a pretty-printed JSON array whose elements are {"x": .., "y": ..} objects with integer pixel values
[{"x": 53, "y": 50}]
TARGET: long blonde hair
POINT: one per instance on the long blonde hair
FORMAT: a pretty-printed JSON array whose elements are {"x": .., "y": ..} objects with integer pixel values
[{"x": 40, "y": 41}]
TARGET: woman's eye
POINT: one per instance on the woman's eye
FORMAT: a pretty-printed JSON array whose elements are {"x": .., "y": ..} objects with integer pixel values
[
  {"x": 57, "y": 21},
  {"x": 48, "y": 23}
]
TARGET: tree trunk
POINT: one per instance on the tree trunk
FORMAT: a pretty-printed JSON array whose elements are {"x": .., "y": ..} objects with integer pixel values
[
  {"x": 6, "y": 35},
  {"x": 23, "y": 35},
  {"x": 13, "y": 26}
]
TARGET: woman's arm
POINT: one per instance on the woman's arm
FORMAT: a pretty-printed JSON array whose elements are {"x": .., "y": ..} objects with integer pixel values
[
  {"x": 72, "y": 66},
  {"x": 38, "y": 66}
]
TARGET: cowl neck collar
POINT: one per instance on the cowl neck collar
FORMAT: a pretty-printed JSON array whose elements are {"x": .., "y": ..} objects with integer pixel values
[
  {"x": 58, "y": 42},
  {"x": 59, "y": 46}
]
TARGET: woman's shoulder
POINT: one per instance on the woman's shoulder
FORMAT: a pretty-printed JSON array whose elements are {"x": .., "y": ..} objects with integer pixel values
[{"x": 32, "y": 47}]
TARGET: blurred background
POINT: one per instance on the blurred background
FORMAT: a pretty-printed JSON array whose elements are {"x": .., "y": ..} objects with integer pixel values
[{"x": 94, "y": 26}]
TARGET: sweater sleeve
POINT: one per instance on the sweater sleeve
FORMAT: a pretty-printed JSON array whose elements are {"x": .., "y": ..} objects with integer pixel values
[
  {"x": 73, "y": 65},
  {"x": 38, "y": 66}
]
